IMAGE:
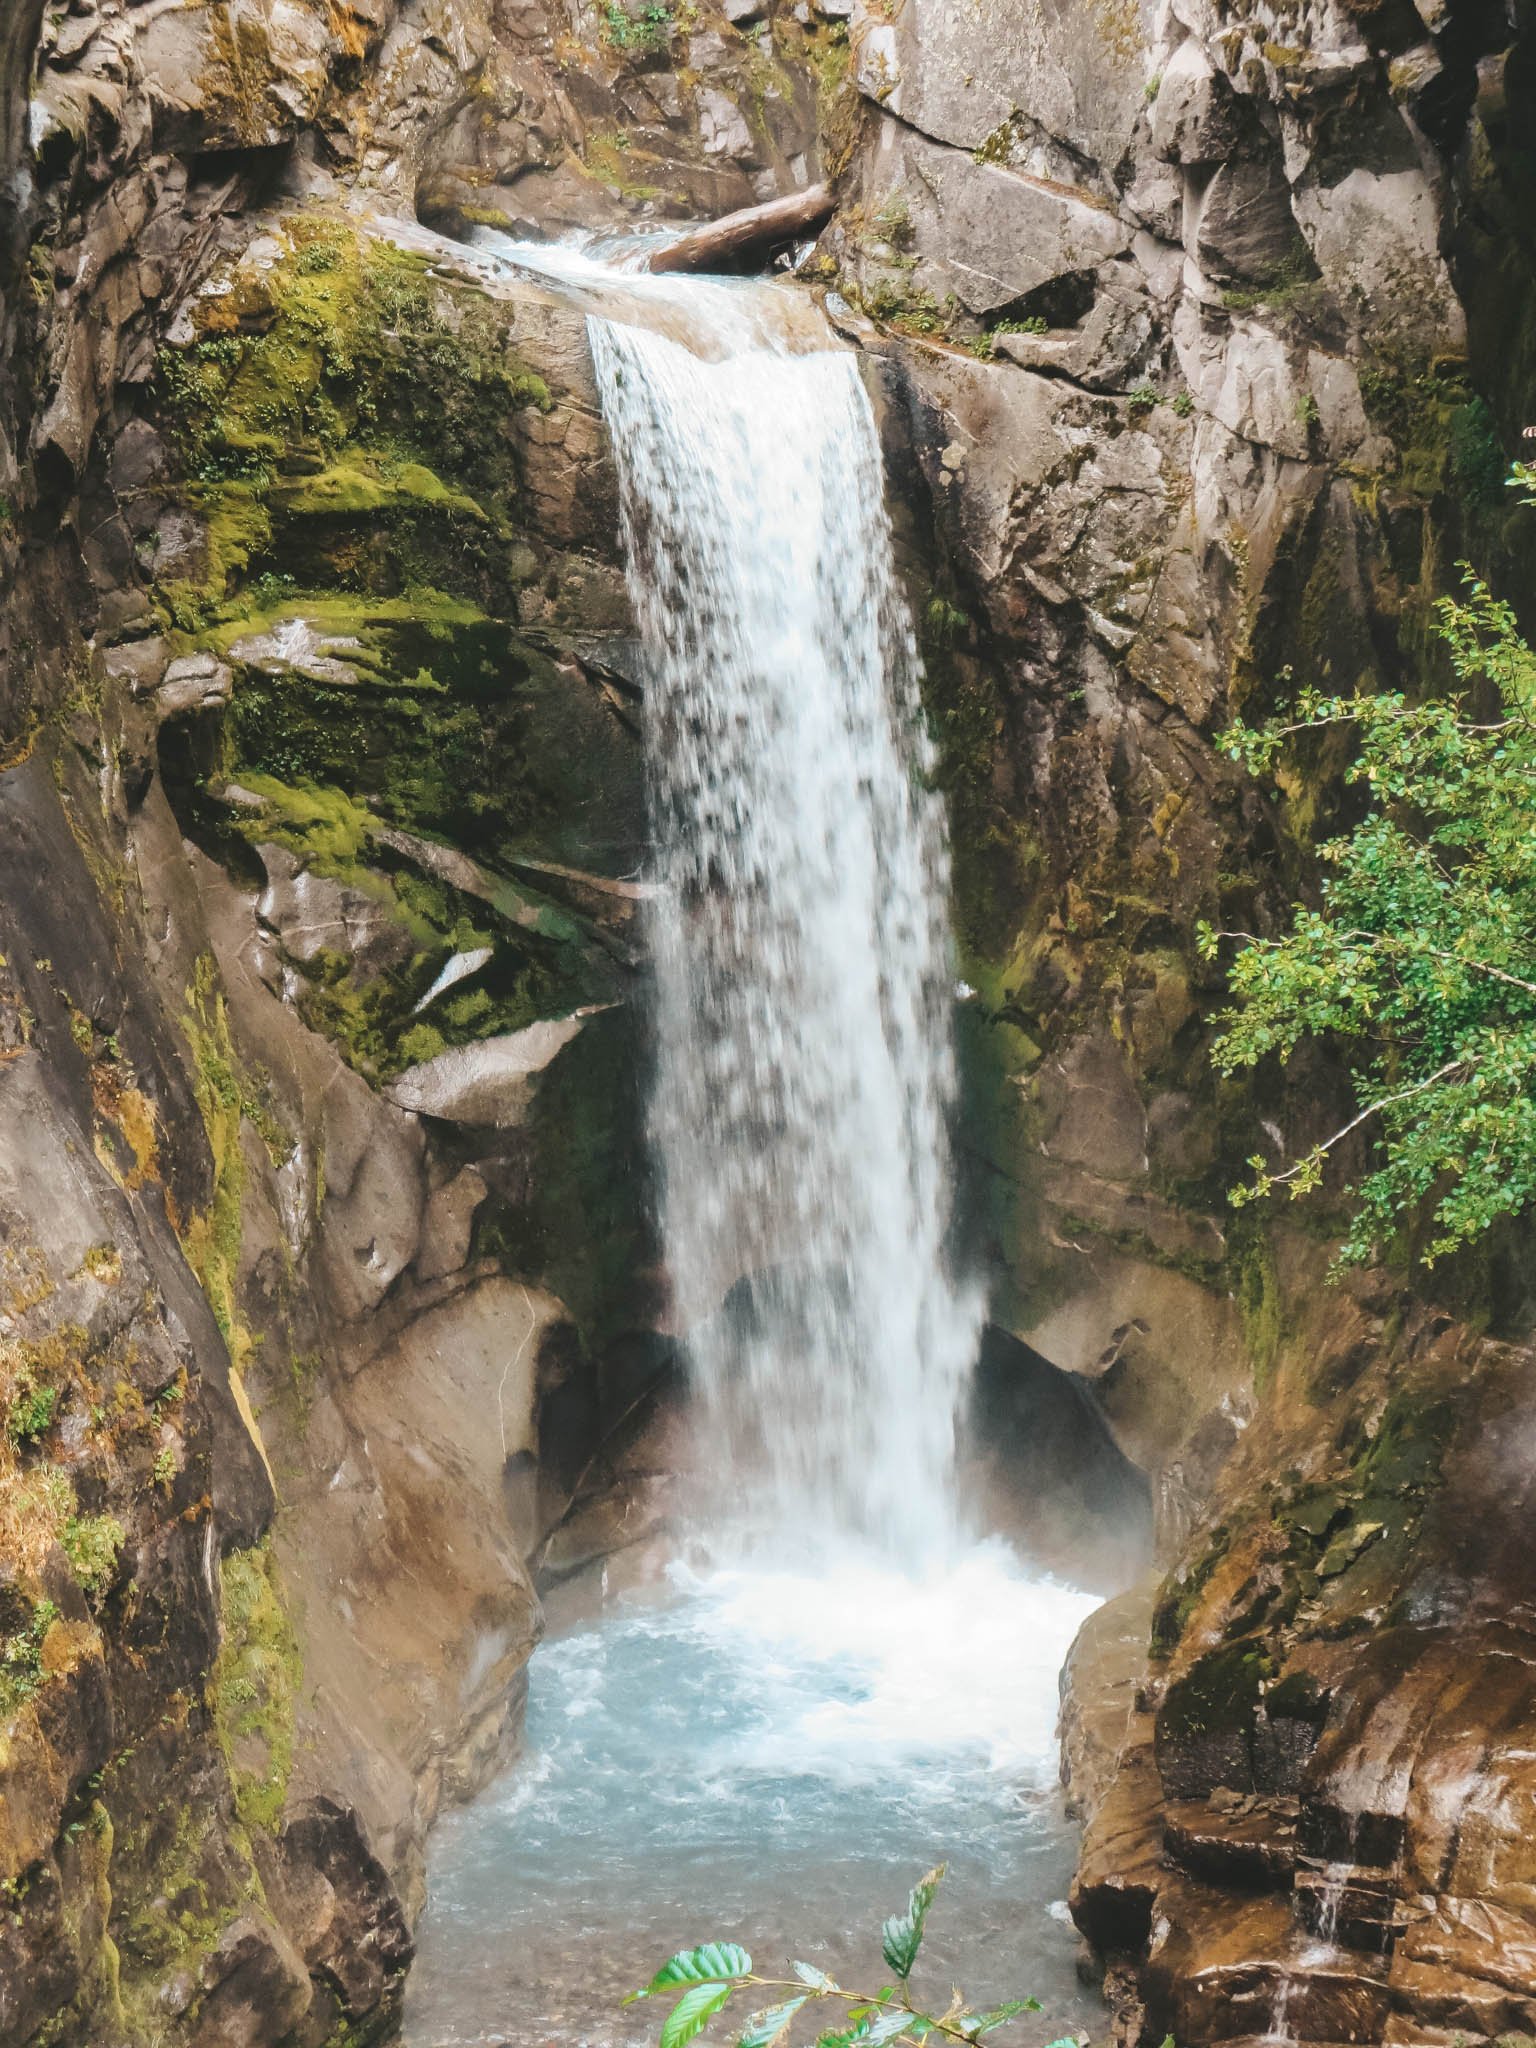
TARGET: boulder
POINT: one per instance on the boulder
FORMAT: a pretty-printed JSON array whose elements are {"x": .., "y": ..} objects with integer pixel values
[
  {"x": 254, "y": 1981},
  {"x": 1245, "y": 230},
  {"x": 1107, "y": 351},
  {"x": 491, "y": 1082},
  {"x": 961, "y": 76},
  {"x": 990, "y": 234},
  {"x": 1197, "y": 117}
]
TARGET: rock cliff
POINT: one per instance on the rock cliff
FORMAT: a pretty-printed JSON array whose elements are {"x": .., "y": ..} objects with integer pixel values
[{"x": 328, "y": 1303}]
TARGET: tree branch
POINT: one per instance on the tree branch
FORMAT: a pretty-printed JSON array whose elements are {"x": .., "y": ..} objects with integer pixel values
[
  {"x": 1411, "y": 947},
  {"x": 1371, "y": 1109}
]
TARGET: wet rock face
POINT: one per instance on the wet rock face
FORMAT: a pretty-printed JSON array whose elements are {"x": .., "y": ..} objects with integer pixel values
[{"x": 1310, "y": 1816}]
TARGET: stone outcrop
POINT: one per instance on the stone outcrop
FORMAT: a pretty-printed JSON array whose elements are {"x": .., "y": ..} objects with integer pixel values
[
  {"x": 1198, "y": 340},
  {"x": 1313, "y": 1810}
]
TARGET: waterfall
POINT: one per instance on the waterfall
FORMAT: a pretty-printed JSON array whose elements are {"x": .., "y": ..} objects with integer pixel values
[{"x": 804, "y": 1072}]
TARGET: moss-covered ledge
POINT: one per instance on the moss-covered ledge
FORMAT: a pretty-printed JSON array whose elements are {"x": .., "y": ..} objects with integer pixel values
[{"x": 356, "y": 492}]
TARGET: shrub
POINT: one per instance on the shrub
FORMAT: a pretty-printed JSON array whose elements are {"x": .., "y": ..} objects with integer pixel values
[
  {"x": 92, "y": 1543},
  {"x": 31, "y": 1413},
  {"x": 1421, "y": 958},
  {"x": 647, "y": 30},
  {"x": 21, "y": 1658},
  {"x": 709, "y": 1977}
]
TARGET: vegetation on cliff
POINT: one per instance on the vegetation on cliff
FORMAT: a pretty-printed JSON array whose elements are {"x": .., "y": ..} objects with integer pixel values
[
  {"x": 348, "y": 453},
  {"x": 1419, "y": 955}
]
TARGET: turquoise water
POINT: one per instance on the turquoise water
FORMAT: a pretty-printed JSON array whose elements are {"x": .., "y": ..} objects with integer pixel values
[{"x": 771, "y": 1758}]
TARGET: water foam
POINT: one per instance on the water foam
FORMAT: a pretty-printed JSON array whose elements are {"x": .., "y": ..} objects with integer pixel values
[
  {"x": 962, "y": 1663},
  {"x": 765, "y": 1756}
]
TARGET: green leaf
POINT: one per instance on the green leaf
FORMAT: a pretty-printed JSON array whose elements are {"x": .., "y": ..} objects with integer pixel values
[
  {"x": 765, "y": 2028},
  {"x": 693, "y": 2013},
  {"x": 902, "y": 1934},
  {"x": 817, "y": 1979},
  {"x": 979, "y": 2023},
  {"x": 870, "y": 2033},
  {"x": 716, "y": 1962}
]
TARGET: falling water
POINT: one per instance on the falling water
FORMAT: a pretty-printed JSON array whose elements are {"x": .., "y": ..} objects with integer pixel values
[
  {"x": 804, "y": 1071},
  {"x": 1336, "y": 1876}
]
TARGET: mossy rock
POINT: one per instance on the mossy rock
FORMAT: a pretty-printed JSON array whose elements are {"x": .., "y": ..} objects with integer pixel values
[
  {"x": 255, "y": 1685},
  {"x": 347, "y": 407},
  {"x": 1205, "y": 1729},
  {"x": 438, "y": 718},
  {"x": 1180, "y": 1593}
]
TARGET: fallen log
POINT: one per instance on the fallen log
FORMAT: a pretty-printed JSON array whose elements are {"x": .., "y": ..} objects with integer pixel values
[{"x": 754, "y": 227}]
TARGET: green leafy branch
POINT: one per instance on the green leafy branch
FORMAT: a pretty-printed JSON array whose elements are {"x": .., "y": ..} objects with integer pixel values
[
  {"x": 710, "y": 1976},
  {"x": 1422, "y": 954}
]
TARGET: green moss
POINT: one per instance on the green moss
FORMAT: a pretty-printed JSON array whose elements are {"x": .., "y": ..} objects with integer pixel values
[
  {"x": 421, "y": 1043},
  {"x": 347, "y": 489},
  {"x": 1312, "y": 1512},
  {"x": 647, "y": 28},
  {"x": 541, "y": 966},
  {"x": 30, "y": 1412},
  {"x": 21, "y": 1658},
  {"x": 171, "y": 1906},
  {"x": 896, "y": 303},
  {"x": 227, "y": 1096},
  {"x": 255, "y": 1684},
  {"x": 1289, "y": 284},
  {"x": 443, "y": 722},
  {"x": 1479, "y": 466},
  {"x": 1256, "y": 1285},
  {"x": 86, "y": 1905},
  {"x": 1219, "y": 1694},
  {"x": 321, "y": 823},
  {"x": 93, "y": 1543},
  {"x": 1180, "y": 1593},
  {"x": 608, "y": 156},
  {"x": 1403, "y": 1454},
  {"x": 344, "y": 388}
]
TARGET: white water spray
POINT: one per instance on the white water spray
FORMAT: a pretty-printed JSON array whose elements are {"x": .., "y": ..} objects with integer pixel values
[{"x": 804, "y": 1071}]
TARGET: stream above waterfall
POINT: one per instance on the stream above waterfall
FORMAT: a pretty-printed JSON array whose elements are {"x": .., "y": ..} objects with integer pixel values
[{"x": 762, "y": 1756}]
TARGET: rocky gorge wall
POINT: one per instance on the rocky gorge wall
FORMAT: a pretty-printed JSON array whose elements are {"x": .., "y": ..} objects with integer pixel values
[{"x": 1199, "y": 337}]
